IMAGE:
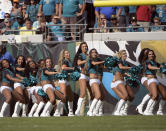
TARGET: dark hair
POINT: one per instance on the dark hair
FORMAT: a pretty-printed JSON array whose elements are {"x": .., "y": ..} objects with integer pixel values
[
  {"x": 24, "y": 63},
  {"x": 78, "y": 53},
  {"x": 3, "y": 50},
  {"x": 39, "y": 62},
  {"x": 27, "y": 19},
  {"x": 10, "y": 68},
  {"x": 28, "y": 69},
  {"x": 90, "y": 52},
  {"x": 142, "y": 55},
  {"x": 153, "y": 54}
]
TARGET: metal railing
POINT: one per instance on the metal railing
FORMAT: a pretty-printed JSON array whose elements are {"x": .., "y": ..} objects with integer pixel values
[{"x": 161, "y": 28}]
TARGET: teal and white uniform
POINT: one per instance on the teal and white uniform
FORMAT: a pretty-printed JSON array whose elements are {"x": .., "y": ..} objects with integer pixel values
[
  {"x": 116, "y": 69},
  {"x": 151, "y": 72},
  {"x": 6, "y": 71},
  {"x": 94, "y": 69},
  {"x": 82, "y": 57},
  {"x": 36, "y": 80},
  {"x": 21, "y": 73},
  {"x": 47, "y": 78},
  {"x": 68, "y": 64}
]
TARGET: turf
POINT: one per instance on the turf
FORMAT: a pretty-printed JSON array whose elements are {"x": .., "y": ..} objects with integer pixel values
[{"x": 105, "y": 123}]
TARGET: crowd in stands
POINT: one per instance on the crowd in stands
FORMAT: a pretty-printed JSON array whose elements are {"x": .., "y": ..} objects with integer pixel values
[{"x": 48, "y": 17}]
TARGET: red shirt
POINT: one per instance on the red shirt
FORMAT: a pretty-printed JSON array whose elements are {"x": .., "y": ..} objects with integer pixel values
[{"x": 143, "y": 13}]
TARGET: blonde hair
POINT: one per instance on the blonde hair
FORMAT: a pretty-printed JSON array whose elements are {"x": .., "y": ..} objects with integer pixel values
[
  {"x": 60, "y": 60},
  {"x": 119, "y": 54}
]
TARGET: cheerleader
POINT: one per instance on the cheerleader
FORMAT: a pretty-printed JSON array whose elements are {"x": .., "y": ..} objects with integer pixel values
[
  {"x": 46, "y": 80},
  {"x": 8, "y": 77},
  {"x": 20, "y": 88},
  {"x": 99, "y": 111},
  {"x": 41, "y": 66},
  {"x": 142, "y": 59},
  {"x": 80, "y": 60},
  {"x": 119, "y": 86},
  {"x": 65, "y": 65},
  {"x": 154, "y": 85},
  {"x": 31, "y": 72},
  {"x": 95, "y": 83}
]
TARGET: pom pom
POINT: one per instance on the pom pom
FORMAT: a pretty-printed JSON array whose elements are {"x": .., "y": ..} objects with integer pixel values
[
  {"x": 133, "y": 71},
  {"x": 61, "y": 76},
  {"x": 163, "y": 69},
  {"x": 132, "y": 81},
  {"x": 111, "y": 62},
  {"x": 32, "y": 81},
  {"x": 75, "y": 76},
  {"x": 41, "y": 93},
  {"x": 25, "y": 82}
]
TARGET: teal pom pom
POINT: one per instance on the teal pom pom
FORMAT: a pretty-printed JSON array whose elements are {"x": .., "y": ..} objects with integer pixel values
[
  {"x": 25, "y": 82},
  {"x": 32, "y": 81},
  {"x": 75, "y": 76},
  {"x": 62, "y": 76},
  {"x": 133, "y": 71},
  {"x": 132, "y": 81},
  {"x": 41, "y": 93},
  {"x": 111, "y": 62},
  {"x": 163, "y": 69}
]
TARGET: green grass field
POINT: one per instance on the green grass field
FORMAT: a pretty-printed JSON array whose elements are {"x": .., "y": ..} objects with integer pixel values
[{"x": 105, "y": 123}]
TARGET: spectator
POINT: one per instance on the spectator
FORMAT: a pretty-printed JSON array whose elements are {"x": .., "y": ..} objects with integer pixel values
[
  {"x": 4, "y": 54},
  {"x": 27, "y": 29},
  {"x": 8, "y": 29},
  {"x": 132, "y": 12},
  {"x": 102, "y": 24},
  {"x": 134, "y": 27},
  {"x": 121, "y": 15},
  {"x": 23, "y": 11},
  {"x": 56, "y": 31},
  {"x": 2, "y": 24},
  {"x": 156, "y": 26},
  {"x": 40, "y": 19},
  {"x": 71, "y": 10},
  {"x": 18, "y": 23},
  {"x": 163, "y": 18},
  {"x": 49, "y": 7},
  {"x": 114, "y": 23},
  {"x": 90, "y": 14},
  {"x": 107, "y": 11},
  {"x": 153, "y": 13},
  {"x": 16, "y": 10},
  {"x": 32, "y": 10},
  {"x": 41, "y": 27},
  {"x": 143, "y": 16}
]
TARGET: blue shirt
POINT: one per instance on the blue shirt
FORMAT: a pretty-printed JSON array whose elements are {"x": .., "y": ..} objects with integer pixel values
[
  {"x": 56, "y": 30},
  {"x": 107, "y": 11},
  {"x": 156, "y": 28},
  {"x": 122, "y": 12},
  {"x": 49, "y": 6},
  {"x": 8, "y": 57},
  {"x": 71, "y": 7},
  {"x": 132, "y": 29},
  {"x": 132, "y": 9},
  {"x": 32, "y": 11}
]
